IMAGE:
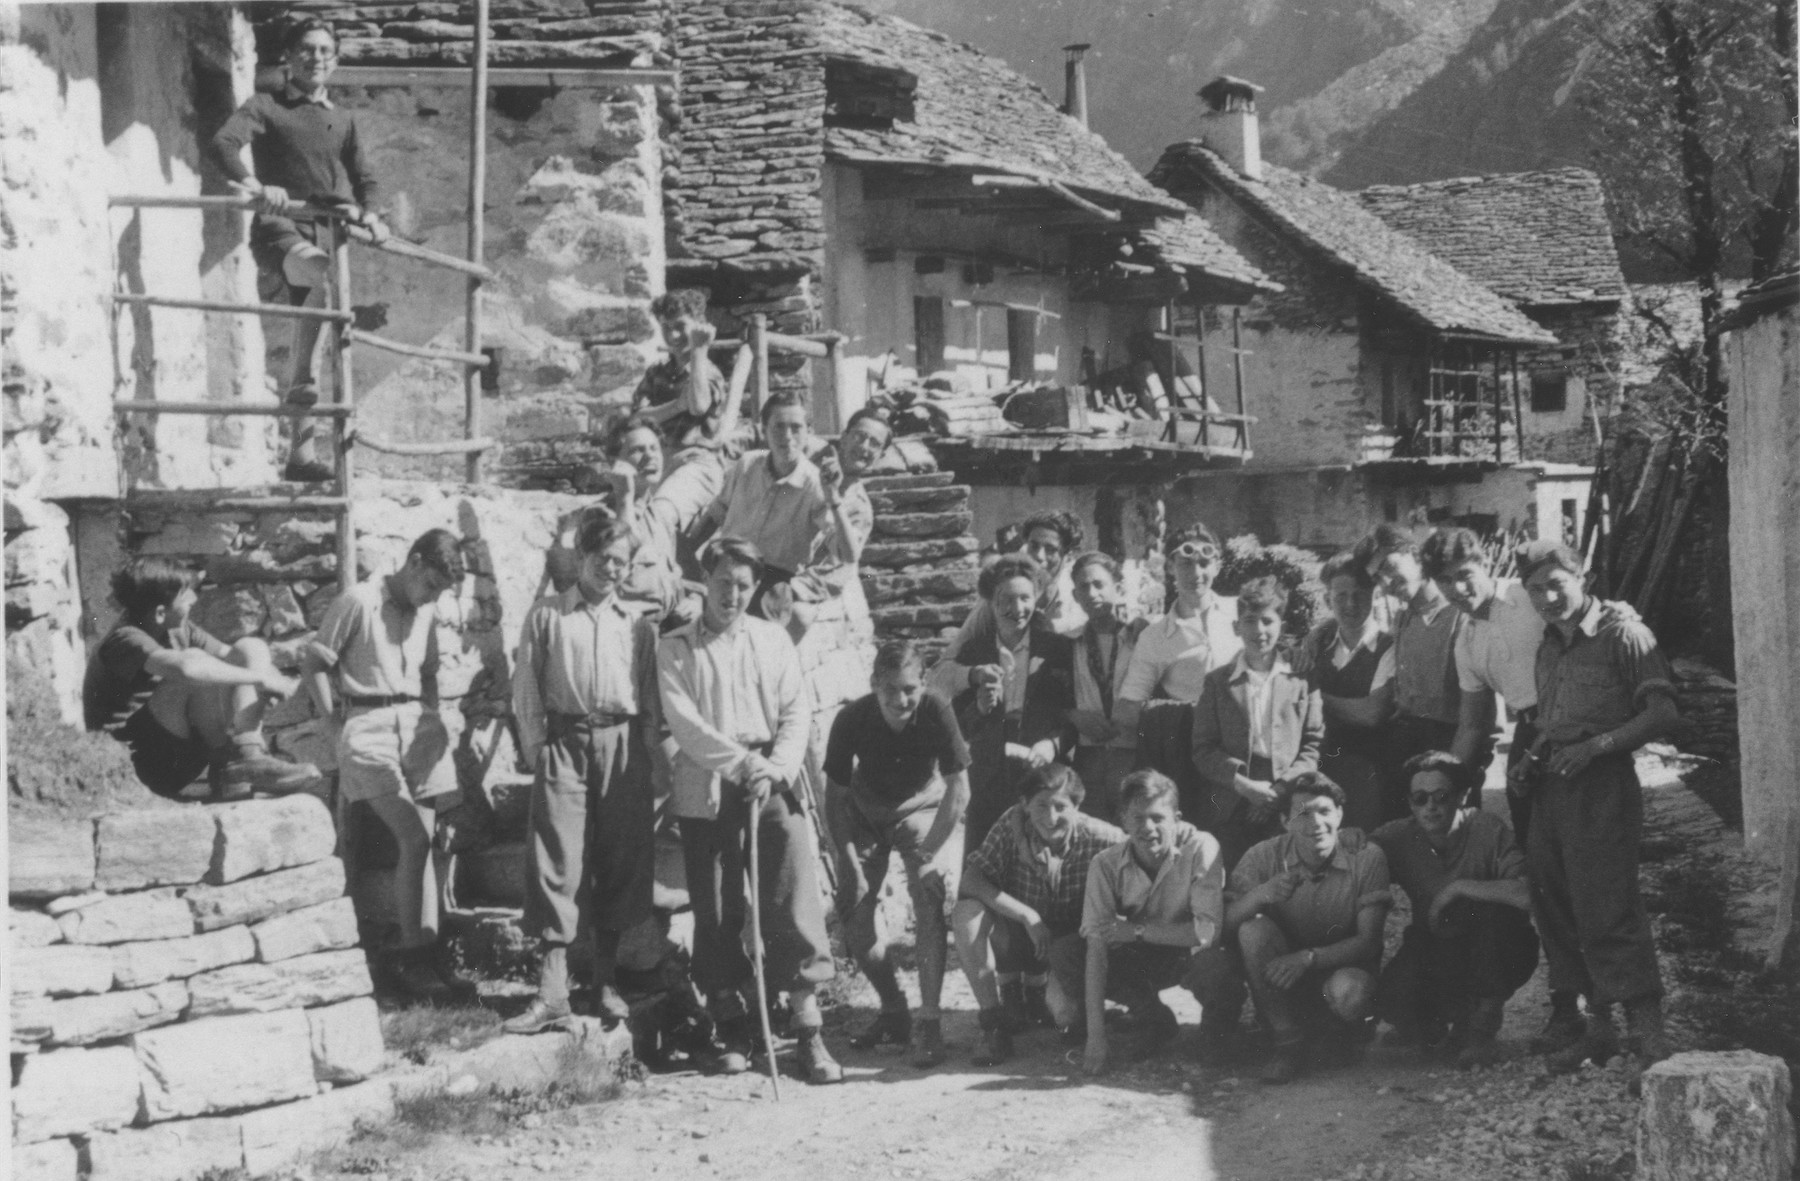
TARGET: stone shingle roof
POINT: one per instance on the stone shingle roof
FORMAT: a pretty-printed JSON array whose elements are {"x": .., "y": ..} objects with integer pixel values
[
  {"x": 973, "y": 111},
  {"x": 1333, "y": 223},
  {"x": 1534, "y": 237},
  {"x": 1188, "y": 243}
]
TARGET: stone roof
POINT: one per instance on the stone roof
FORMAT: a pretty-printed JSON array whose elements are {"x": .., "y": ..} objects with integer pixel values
[
  {"x": 1534, "y": 237},
  {"x": 1188, "y": 243},
  {"x": 973, "y": 111},
  {"x": 1332, "y": 223}
]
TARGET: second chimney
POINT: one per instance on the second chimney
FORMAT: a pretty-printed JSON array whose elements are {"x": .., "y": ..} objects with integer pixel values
[
  {"x": 1075, "y": 83},
  {"x": 1228, "y": 125}
]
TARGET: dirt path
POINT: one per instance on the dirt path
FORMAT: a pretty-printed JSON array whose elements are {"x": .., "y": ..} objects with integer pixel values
[{"x": 1397, "y": 1115}]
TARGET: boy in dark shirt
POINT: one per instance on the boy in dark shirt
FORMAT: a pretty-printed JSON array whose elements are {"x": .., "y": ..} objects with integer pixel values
[
  {"x": 897, "y": 770},
  {"x": 302, "y": 149},
  {"x": 181, "y": 700}
]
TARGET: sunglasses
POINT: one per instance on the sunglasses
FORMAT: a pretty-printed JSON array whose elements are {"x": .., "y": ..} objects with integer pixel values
[
  {"x": 1422, "y": 798},
  {"x": 1195, "y": 551}
]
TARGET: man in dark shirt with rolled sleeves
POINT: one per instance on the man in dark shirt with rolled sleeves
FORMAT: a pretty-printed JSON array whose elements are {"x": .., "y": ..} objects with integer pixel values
[
  {"x": 303, "y": 148},
  {"x": 897, "y": 772},
  {"x": 1604, "y": 689}
]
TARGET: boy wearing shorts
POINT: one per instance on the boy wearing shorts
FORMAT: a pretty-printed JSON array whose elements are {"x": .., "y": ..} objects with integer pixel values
[{"x": 379, "y": 639}]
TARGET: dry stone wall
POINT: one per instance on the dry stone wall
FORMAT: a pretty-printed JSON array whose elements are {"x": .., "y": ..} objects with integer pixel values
[
  {"x": 921, "y": 564},
  {"x": 187, "y": 992}
]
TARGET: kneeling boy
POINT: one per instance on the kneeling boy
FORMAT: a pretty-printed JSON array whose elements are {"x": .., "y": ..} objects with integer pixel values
[
  {"x": 1151, "y": 902},
  {"x": 1023, "y": 891},
  {"x": 898, "y": 780}
]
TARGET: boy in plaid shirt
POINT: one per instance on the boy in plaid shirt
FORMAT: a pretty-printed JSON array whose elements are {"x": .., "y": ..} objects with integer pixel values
[{"x": 1022, "y": 895}]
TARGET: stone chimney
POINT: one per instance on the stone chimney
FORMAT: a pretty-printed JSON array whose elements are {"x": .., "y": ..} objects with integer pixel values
[
  {"x": 1228, "y": 125},
  {"x": 1075, "y": 83}
]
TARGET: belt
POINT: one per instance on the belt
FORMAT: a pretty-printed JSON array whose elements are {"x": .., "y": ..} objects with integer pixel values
[
  {"x": 594, "y": 720},
  {"x": 362, "y": 701}
]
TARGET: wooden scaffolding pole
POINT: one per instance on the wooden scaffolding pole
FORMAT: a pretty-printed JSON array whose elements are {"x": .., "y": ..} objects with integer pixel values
[
  {"x": 1237, "y": 376},
  {"x": 478, "y": 95},
  {"x": 344, "y": 381}
]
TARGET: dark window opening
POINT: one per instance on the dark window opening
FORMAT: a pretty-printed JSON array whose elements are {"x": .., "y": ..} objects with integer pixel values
[
  {"x": 1549, "y": 391},
  {"x": 859, "y": 94},
  {"x": 928, "y": 333},
  {"x": 520, "y": 103},
  {"x": 1021, "y": 345}
]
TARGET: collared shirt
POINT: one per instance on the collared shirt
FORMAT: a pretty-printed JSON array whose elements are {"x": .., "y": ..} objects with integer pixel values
[
  {"x": 1323, "y": 908},
  {"x": 781, "y": 516},
  {"x": 1425, "y": 684},
  {"x": 836, "y": 574},
  {"x": 117, "y": 684},
  {"x": 1056, "y": 607},
  {"x": 380, "y": 646},
  {"x": 1497, "y": 648},
  {"x": 1601, "y": 678},
  {"x": 1260, "y": 701},
  {"x": 1019, "y": 862},
  {"x": 1174, "y": 655},
  {"x": 897, "y": 767},
  {"x": 1480, "y": 849},
  {"x": 724, "y": 695},
  {"x": 583, "y": 659},
  {"x": 1188, "y": 886},
  {"x": 1342, "y": 653},
  {"x": 1101, "y": 662},
  {"x": 298, "y": 142}
]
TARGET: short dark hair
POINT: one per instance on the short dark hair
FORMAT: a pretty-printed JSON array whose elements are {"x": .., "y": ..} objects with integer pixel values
[
  {"x": 896, "y": 656},
  {"x": 150, "y": 582},
  {"x": 298, "y": 33},
  {"x": 1262, "y": 594},
  {"x": 1308, "y": 783},
  {"x": 1535, "y": 555},
  {"x": 1094, "y": 557},
  {"x": 1385, "y": 538},
  {"x": 1148, "y": 785},
  {"x": 1194, "y": 532},
  {"x": 599, "y": 529},
  {"x": 1065, "y": 525},
  {"x": 1454, "y": 769},
  {"x": 781, "y": 400},
  {"x": 1345, "y": 565},
  {"x": 1052, "y": 777},
  {"x": 439, "y": 550},
  {"x": 1448, "y": 548},
  {"x": 735, "y": 550},
  {"x": 683, "y": 301},
  {"x": 615, "y": 442},
  {"x": 1008, "y": 566},
  {"x": 870, "y": 414}
]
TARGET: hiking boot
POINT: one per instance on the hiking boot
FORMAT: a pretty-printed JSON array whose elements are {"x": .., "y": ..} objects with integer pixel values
[
  {"x": 1563, "y": 1029},
  {"x": 539, "y": 1016},
  {"x": 888, "y": 1029},
  {"x": 996, "y": 1039},
  {"x": 418, "y": 977},
  {"x": 1598, "y": 1042},
  {"x": 1415, "y": 1034},
  {"x": 731, "y": 1054},
  {"x": 1481, "y": 1046},
  {"x": 1153, "y": 1027},
  {"x": 1649, "y": 1041},
  {"x": 1216, "y": 1042},
  {"x": 1283, "y": 1066},
  {"x": 249, "y": 769},
  {"x": 1074, "y": 1034},
  {"x": 1037, "y": 1006},
  {"x": 609, "y": 1006},
  {"x": 814, "y": 1061},
  {"x": 1012, "y": 1006},
  {"x": 928, "y": 1043}
]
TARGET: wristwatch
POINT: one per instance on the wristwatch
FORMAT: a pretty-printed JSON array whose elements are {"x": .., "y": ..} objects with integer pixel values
[
  {"x": 1137, "y": 932},
  {"x": 1312, "y": 958},
  {"x": 1604, "y": 742}
]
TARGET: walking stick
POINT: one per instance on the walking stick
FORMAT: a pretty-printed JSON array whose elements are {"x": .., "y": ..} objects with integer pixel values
[{"x": 756, "y": 949}]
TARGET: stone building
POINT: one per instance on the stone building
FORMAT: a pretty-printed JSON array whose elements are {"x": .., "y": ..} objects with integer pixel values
[
  {"x": 1387, "y": 382},
  {"x": 1542, "y": 240}
]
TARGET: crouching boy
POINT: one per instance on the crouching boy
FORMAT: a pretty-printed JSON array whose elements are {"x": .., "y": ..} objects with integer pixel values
[
  {"x": 1018, "y": 925},
  {"x": 897, "y": 773},
  {"x": 1303, "y": 919},
  {"x": 736, "y": 704},
  {"x": 1470, "y": 945},
  {"x": 585, "y": 696},
  {"x": 1150, "y": 903}
]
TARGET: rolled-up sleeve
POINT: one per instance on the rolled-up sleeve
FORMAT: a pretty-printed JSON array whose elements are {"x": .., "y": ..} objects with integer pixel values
[
  {"x": 1206, "y": 891},
  {"x": 1641, "y": 664},
  {"x": 1101, "y": 905},
  {"x": 1373, "y": 888},
  {"x": 698, "y": 740}
]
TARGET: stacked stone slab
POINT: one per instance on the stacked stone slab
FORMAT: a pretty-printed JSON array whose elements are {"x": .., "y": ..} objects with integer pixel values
[
  {"x": 920, "y": 566},
  {"x": 187, "y": 992},
  {"x": 1709, "y": 714}
]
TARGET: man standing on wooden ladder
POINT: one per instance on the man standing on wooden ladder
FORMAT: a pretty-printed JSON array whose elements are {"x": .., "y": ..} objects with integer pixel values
[{"x": 303, "y": 149}]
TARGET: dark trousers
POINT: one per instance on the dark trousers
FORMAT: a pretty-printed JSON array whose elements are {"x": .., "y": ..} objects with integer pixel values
[
  {"x": 1234, "y": 826},
  {"x": 1137, "y": 972},
  {"x": 1409, "y": 736},
  {"x": 1489, "y": 951},
  {"x": 1321, "y": 1001},
  {"x": 717, "y": 854},
  {"x": 1582, "y": 858},
  {"x": 1518, "y": 806},
  {"x": 593, "y": 815}
]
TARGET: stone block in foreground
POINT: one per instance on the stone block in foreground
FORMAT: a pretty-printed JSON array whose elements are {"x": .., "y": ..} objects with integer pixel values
[
  {"x": 1716, "y": 1116},
  {"x": 121, "y": 918},
  {"x": 255, "y": 899},
  {"x": 346, "y": 1040},
  {"x": 323, "y": 978},
  {"x": 262, "y": 836},
  {"x": 135, "y": 965},
  {"x": 275, "y": 1136},
  {"x": 61, "y": 969},
  {"x": 153, "y": 847},
  {"x": 67, "y": 1091},
  {"x": 82, "y": 1020},
  {"x": 31, "y": 928},
  {"x": 47, "y": 859},
  {"x": 175, "y": 1151},
  {"x": 325, "y": 927},
  {"x": 49, "y": 1160},
  {"x": 224, "y": 1063}
]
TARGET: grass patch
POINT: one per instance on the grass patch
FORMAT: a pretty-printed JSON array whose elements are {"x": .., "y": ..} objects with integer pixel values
[{"x": 418, "y": 1032}]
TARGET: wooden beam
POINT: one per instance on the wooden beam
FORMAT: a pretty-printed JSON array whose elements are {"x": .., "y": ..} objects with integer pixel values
[
  {"x": 473, "y": 360},
  {"x": 442, "y": 447},
  {"x": 244, "y": 309},
  {"x": 553, "y": 78},
  {"x": 226, "y": 409}
]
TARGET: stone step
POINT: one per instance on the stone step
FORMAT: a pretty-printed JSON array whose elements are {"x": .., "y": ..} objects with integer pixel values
[
  {"x": 911, "y": 480},
  {"x": 885, "y": 589},
  {"x": 924, "y": 615},
  {"x": 950, "y": 524},
  {"x": 911, "y": 553},
  {"x": 935, "y": 499}
]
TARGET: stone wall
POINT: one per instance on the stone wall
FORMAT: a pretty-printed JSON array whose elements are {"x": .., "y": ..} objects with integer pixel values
[
  {"x": 1709, "y": 710},
  {"x": 920, "y": 566},
  {"x": 187, "y": 992},
  {"x": 1591, "y": 356}
]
